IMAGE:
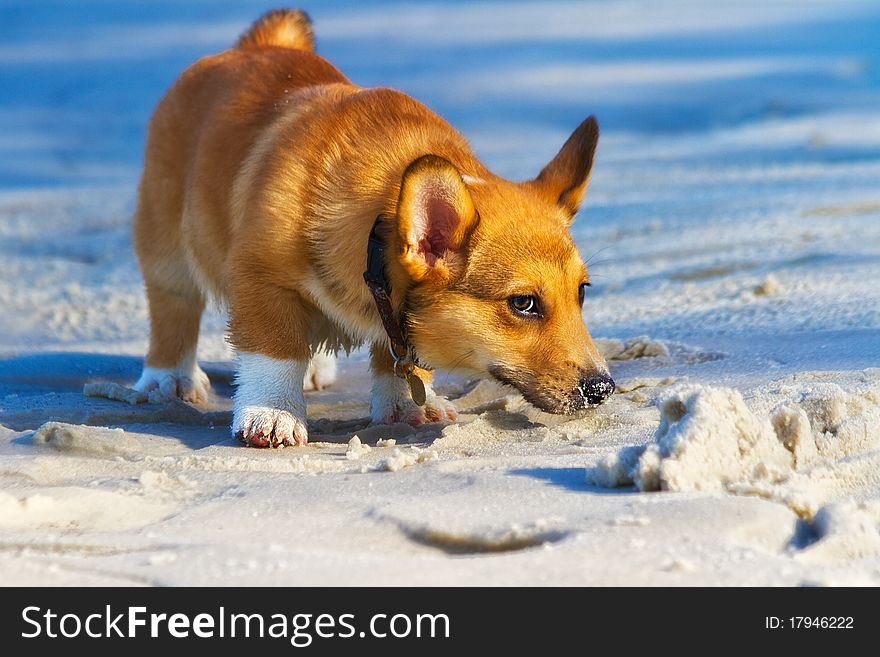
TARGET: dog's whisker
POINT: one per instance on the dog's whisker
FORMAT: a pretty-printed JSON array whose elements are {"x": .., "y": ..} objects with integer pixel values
[
  {"x": 602, "y": 262},
  {"x": 595, "y": 253},
  {"x": 449, "y": 371}
]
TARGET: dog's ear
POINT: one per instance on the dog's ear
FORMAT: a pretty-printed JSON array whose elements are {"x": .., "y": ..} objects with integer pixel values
[
  {"x": 435, "y": 216},
  {"x": 564, "y": 180}
]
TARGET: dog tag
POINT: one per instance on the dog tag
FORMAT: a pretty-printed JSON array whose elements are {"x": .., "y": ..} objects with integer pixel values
[{"x": 416, "y": 389}]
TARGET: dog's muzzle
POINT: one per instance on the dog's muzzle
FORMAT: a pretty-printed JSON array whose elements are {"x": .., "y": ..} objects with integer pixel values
[{"x": 592, "y": 389}]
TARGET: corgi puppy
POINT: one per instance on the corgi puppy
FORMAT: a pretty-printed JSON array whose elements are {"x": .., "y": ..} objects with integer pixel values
[{"x": 272, "y": 183}]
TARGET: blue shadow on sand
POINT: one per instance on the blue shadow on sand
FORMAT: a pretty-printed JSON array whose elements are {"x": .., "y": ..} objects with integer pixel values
[
  {"x": 573, "y": 479},
  {"x": 41, "y": 373}
]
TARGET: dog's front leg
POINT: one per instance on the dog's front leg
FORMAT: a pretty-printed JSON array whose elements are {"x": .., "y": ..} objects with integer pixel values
[
  {"x": 268, "y": 326},
  {"x": 269, "y": 408},
  {"x": 391, "y": 400}
]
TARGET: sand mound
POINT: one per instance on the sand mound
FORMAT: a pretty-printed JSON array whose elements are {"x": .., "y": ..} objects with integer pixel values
[
  {"x": 86, "y": 440},
  {"x": 638, "y": 347},
  {"x": 846, "y": 530},
  {"x": 707, "y": 439},
  {"x": 116, "y": 392},
  {"x": 824, "y": 420},
  {"x": 802, "y": 444},
  {"x": 401, "y": 459}
]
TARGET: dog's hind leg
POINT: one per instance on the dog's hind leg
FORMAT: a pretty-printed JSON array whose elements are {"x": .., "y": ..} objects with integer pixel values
[
  {"x": 171, "y": 367},
  {"x": 391, "y": 400},
  {"x": 175, "y": 300},
  {"x": 321, "y": 371}
]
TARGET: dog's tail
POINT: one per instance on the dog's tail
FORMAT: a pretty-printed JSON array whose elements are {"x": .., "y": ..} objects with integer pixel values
[{"x": 287, "y": 28}]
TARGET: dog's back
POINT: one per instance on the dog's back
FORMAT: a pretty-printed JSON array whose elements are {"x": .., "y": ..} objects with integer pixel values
[{"x": 201, "y": 132}]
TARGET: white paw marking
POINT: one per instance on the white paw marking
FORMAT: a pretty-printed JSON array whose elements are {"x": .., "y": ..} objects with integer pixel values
[
  {"x": 186, "y": 381},
  {"x": 269, "y": 409},
  {"x": 391, "y": 402},
  {"x": 321, "y": 371}
]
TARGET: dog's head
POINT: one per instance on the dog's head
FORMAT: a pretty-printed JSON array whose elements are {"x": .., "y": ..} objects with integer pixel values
[{"x": 496, "y": 283}]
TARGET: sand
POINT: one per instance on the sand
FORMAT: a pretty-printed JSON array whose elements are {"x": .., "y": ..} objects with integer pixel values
[
  {"x": 732, "y": 229},
  {"x": 709, "y": 439}
]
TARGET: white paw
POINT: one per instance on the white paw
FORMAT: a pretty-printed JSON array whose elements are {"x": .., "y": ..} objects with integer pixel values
[
  {"x": 269, "y": 409},
  {"x": 321, "y": 372},
  {"x": 261, "y": 426},
  {"x": 391, "y": 402},
  {"x": 187, "y": 382}
]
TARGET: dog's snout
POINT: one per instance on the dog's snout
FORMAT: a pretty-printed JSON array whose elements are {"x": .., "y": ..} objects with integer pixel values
[{"x": 596, "y": 389}]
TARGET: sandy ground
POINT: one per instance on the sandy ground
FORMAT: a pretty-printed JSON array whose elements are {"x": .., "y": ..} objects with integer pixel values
[{"x": 733, "y": 236}]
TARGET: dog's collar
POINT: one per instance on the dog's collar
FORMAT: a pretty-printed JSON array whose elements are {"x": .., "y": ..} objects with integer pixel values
[{"x": 402, "y": 352}]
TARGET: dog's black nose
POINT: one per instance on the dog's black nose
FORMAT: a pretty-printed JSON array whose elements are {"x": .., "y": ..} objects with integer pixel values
[{"x": 596, "y": 389}]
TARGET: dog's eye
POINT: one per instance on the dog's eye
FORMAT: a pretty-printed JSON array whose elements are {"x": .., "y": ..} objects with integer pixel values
[
  {"x": 582, "y": 291},
  {"x": 524, "y": 304}
]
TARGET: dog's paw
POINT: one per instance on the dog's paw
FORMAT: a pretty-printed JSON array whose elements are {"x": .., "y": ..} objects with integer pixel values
[
  {"x": 321, "y": 372},
  {"x": 269, "y": 409},
  {"x": 439, "y": 409},
  {"x": 188, "y": 383},
  {"x": 436, "y": 409},
  {"x": 261, "y": 426},
  {"x": 392, "y": 403}
]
